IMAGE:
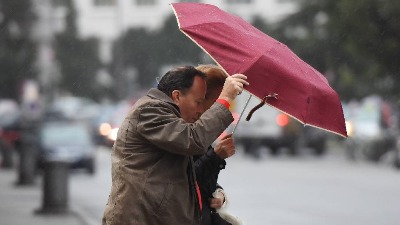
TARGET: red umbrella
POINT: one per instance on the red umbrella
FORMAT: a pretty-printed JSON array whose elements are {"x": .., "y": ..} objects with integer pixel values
[{"x": 274, "y": 72}]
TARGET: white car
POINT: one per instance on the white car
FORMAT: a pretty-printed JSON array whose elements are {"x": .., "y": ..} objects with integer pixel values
[
  {"x": 275, "y": 130},
  {"x": 69, "y": 142},
  {"x": 372, "y": 128}
]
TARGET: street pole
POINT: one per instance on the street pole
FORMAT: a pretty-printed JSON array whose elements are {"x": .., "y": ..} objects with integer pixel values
[{"x": 28, "y": 155}]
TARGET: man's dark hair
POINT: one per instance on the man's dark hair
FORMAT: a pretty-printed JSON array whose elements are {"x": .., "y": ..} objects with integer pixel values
[{"x": 180, "y": 78}]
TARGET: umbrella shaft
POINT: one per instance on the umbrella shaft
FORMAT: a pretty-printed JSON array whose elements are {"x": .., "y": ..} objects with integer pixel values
[{"x": 241, "y": 114}]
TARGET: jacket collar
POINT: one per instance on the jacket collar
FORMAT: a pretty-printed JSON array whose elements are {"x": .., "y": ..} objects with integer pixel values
[{"x": 157, "y": 94}]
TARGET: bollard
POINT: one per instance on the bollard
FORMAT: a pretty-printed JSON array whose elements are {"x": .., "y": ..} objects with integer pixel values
[
  {"x": 396, "y": 160},
  {"x": 27, "y": 159},
  {"x": 55, "y": 188},
  {"x": 7, "y": 155}
]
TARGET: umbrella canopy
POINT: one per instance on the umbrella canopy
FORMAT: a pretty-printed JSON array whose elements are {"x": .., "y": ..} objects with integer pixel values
[{"x": 273, "y": 70}]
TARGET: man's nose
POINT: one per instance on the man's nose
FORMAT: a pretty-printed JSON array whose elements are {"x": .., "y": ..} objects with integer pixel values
[{"x": 200, "y": 111}]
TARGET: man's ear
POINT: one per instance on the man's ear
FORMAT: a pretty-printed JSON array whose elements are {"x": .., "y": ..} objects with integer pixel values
[{"x": 175, "y": 95}]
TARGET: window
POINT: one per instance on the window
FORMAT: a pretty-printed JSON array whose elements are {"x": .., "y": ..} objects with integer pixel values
[
  {"x": 105, "y": 2},
  {"x": 145, "y": 2}
]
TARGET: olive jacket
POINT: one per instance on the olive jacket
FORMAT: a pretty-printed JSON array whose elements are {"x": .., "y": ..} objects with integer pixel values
[{"x": 150, "y": 184}]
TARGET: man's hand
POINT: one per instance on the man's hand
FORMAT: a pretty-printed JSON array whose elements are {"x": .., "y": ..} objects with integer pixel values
[
  {"x": 217, "y": 202},
  {"x": 225, "y": 147},
  {"x": 233, "y": 86}
]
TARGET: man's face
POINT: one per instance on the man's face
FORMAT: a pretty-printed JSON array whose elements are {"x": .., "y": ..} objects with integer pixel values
[{"x": 191, "y": 103}]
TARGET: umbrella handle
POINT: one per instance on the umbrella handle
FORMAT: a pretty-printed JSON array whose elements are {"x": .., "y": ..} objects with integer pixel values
[
  {"x": 241, "y": 114},
  {"x": 262, "y": 103}
]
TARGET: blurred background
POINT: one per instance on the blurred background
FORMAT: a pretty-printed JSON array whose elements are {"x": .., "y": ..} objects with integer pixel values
[{"x": 71, "y": 69}]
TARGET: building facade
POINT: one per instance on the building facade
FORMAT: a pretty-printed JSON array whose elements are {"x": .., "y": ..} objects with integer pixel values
[{"x": 108, "y": 19}]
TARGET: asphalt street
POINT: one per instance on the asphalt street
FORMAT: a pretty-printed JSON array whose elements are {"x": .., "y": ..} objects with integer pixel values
[{"x": 282, "y": 190}]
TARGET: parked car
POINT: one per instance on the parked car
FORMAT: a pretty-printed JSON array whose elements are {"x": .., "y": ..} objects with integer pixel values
[
  {"x": 67, "y": 141},
  {"x": 372, "y": 128},
  {"x": 75, "y": 108},
  {"x": 275, "y": 130}
]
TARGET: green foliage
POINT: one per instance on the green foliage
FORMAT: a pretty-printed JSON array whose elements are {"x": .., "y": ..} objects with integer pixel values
[
  {"x": 78, "y": 59},
  {"x": 148, "y": 51},
  {"x": 17, "y": 50},
  {"x": 78, "y": 64},
  {"x": 176, "y": 47},
  {"x": 137, "y": 49}
]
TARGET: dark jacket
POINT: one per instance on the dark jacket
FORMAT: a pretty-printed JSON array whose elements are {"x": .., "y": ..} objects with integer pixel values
[
  {"x": 150, "y": 159},
  {"x": 207, "y": 169}
]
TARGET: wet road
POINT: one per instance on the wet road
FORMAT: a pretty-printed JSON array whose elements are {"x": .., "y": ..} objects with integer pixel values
[{"x": 280, "y": 190}]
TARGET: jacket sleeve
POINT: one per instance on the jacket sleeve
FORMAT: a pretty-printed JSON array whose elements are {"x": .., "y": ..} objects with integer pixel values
[{"x": 162, "y": 126}]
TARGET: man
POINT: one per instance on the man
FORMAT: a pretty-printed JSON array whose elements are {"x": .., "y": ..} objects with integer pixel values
[{"x": 150, "y": 183}]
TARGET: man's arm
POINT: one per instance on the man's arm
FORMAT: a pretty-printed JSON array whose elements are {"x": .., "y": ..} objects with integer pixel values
[{"x": 162, "y": 127}]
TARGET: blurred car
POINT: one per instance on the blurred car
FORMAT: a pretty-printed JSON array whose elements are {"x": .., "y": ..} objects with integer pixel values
[
  {"x": 372, "y": 126},
  {"x": 9, "y": 112},
  {"x": 108, "y": 122},
  {"x": 275, "y": 130},
  {"x": 101, "y": 126},
  {"x": 67, "y": 141},
  {"x": 75, "y": 108}
]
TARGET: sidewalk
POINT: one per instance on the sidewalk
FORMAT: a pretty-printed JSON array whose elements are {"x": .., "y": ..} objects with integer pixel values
[{"x": 18, "y": 204}]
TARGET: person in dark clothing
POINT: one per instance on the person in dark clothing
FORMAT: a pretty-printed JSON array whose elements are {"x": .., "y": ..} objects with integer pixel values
[{"x": 208, "y": 166}]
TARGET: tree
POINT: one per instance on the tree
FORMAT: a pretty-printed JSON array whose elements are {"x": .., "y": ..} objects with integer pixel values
[
  {"x": 134, "y": 50},
  {"x": 177, "y": 48},
  {"x": 17, "y": 50},
  {"x": 78, "y": 59},
  {"x": 147, "y": 51}
]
